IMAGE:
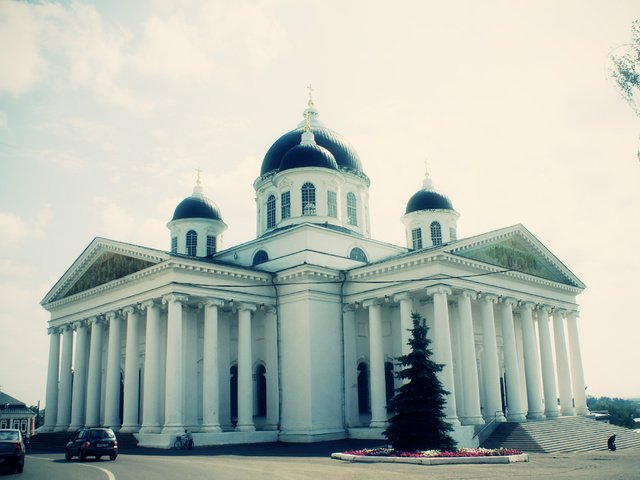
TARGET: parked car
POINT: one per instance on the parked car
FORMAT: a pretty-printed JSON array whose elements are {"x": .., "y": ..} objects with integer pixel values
[
  {"x": 92, "y": 442},
  {"x": 12, "y": 449}
]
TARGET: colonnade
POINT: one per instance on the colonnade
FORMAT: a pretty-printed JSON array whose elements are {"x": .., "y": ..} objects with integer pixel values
[
  {"x": 531, "y": 380},
  {"x": 88, "y": 393}
]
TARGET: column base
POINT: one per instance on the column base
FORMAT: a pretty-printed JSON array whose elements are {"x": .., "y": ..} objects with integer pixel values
[
  {"x": 210, "y": 429},
  {"x": 568, "y": 412},
  {"x": 535, "y": 416},
  {"x": 245, "y": 428},
  {"x": 146, "y": 429},
  {"x": 474, "y": 420},
  {"x": 500, "y": 418},
  {"x": 173, "y": 429},
  {"x": 516, "y": 417},
  {"x": 130, "y": 429},
  {"x": 582, "y": 411},
  {"x": 552, "y": 414},
  {"x": 453, "y": 421},
  {"x": 378, "y": 424}
]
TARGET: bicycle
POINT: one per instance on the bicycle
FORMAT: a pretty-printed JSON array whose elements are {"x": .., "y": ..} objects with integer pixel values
[{"x": 183, "y": 443}]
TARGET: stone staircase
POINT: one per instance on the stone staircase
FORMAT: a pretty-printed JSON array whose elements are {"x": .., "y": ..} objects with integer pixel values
[
  {"x": 56, "y": 441},
  {"x": 564, "y": 434}
]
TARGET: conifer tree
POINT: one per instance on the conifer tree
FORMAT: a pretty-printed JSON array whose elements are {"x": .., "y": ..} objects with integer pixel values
[{"x": 419, "y": 422}]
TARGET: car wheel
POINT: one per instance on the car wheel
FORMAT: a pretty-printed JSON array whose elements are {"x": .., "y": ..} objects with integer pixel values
[
  {"x": 68, "y": 456},
  {"x": 112, "y": 457},
  {"x": 98, "y": 457},
  {"x": 19, "y": 468},
  {"x": 82, "y": 456}
]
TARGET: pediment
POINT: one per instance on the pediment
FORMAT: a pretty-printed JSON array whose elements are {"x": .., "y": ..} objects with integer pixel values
[
  {"x": 102, "y": 262},
  {"x": 515, "y": 248}
]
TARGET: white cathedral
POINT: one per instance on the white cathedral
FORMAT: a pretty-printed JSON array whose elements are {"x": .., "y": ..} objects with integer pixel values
[{"x": 293, "y": 336}]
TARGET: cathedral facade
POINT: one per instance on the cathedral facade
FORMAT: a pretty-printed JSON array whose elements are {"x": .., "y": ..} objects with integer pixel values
[{"x": 293, "y": 336}]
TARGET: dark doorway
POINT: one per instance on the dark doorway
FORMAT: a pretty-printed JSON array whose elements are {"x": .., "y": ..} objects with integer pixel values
[
  {"x": 234, "y": 394},
  {"x": 363, "y": 388},
  {"x": 261, "y": 391}
]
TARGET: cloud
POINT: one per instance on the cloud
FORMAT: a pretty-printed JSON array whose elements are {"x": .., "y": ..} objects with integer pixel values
[
  {"x": 21, "y": 64},
  {"x": 3, "y": 120},
  {"x": 14, "y": 229}
]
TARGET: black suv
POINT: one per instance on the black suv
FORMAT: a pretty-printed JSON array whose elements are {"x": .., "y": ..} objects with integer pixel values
[{"x": 92, "y": 442}]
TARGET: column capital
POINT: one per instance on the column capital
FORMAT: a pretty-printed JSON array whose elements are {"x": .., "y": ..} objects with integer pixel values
[
  {"x": 527, "y": 305},
  {"x": 572, "y": 314},
  {"x": 79, "y": 324},
  {"x": 112, "y": 315},
  {"x": 438, "y": 289},
  {"x": 402, "y": 296},
  {"x": 66, "y": 327},
  {"x": 544, "y": 309},
  {"x": 372, "y": 302},
  {"x": 557, "y": 311},
  {"x": 53, "y": 330},
  {"x": 212, "y": 302},
  {"x": 489, "y": 297},
  {"x": 147, "y": 304},
  {"x": 129, "y": 309},
  {"x": 509, "y": 301},
  {"x": 349, "y": 307},
  {"x": 470, "y": 294},
  {"x": 252, "y": 307},
  {"x": 174, "y": 297}
]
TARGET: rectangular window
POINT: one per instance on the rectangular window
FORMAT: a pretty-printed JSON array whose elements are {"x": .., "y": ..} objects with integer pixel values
[
  {"x": 332, "y": 204},
  {"x": 211, "y": 245},
  {"x": 416, "y": 237},
  {"x": 285, "y": 204},
  {"x": 352, "y": 209},
  {"x": 174, "y": 244}
]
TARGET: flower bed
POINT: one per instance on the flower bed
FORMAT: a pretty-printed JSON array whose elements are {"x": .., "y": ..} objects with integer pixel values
[{"x": 434, "y": 457}]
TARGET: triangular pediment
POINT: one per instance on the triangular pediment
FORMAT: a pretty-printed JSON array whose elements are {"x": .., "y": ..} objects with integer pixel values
[
  {"x": 102, "y": 262},
  {"x": 515, "y": 248}
]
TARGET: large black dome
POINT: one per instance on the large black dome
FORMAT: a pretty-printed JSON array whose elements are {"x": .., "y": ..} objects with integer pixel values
[
  {"x": 428, "y": 200},
  {"x": 344, "y": 154},
  {"x": 197, "y": 206},
  {"x": 311, "y": 155}
]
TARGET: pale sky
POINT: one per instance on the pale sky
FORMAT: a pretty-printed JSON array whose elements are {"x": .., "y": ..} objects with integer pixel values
[{"x": 107, "y": 108}]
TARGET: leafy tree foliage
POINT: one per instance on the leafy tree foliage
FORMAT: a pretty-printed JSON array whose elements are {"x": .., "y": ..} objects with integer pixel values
[
  {"x": 626, "y": 69},
  {"x": 419, "y": 422},
  {"x": 622, "y": 411}
]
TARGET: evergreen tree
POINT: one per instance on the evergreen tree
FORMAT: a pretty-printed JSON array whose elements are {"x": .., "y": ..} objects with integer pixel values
[{"x": 419, "y": 422}]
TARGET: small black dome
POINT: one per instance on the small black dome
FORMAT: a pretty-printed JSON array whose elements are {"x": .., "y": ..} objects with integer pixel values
[
  {"x": 343, "y": 153},
  {"x": 308, "y": 156},
  {"x": 197, "y": 206},
  {"x": 428, "y": 200}
]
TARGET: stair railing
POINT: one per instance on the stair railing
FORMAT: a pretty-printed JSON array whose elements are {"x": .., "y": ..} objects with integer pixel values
[{"x": 493, "y": 420}]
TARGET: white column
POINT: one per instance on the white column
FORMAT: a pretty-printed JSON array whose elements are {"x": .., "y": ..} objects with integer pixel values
[
  {"x": 472, "y": 413},
  {"x": 490, "y": 360},
  {"x": 94, "y": 378},
  {"x": 271, "y": 352},
  {"x": 562, "y": 364},
  {"x": 79, "y": 400},
  {"x": 406, "y": 323},
  {"x": 51, "y": 407},
  {"x": 512, "y": 370},
  {"x": 210, "y": 368},
  {"x": 546, "y": 357},
  {"x": 112, "y": 385},
  {"x": 245, "y": 376},
  {"x": 174, "y": 380},
  {"x": 531, "y": 363},
  {"x": 577, "y": 373},
  {"x": 130, "y": 421},
  {"x": 442, "y": 348},
  {"x": 350, "y": 367},
  {"x": 151, "y": 414},
  {"x": 376, "y": 365},
  {"x": 66, "y": 379}
]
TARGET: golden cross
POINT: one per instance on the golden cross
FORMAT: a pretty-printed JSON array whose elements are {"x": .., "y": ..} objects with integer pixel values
[{"x": 198, "y": 182}]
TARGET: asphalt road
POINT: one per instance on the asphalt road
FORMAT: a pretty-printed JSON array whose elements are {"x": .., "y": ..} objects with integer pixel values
[{"x": 313, "y": 462}]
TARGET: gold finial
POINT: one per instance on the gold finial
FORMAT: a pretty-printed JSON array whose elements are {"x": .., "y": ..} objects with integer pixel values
[
  {"x": 307, "y": 123},
  {"x": 426, "y": 168},
  {"x": 198, "y": 181},
  {"x": 310, "y": 102}
]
